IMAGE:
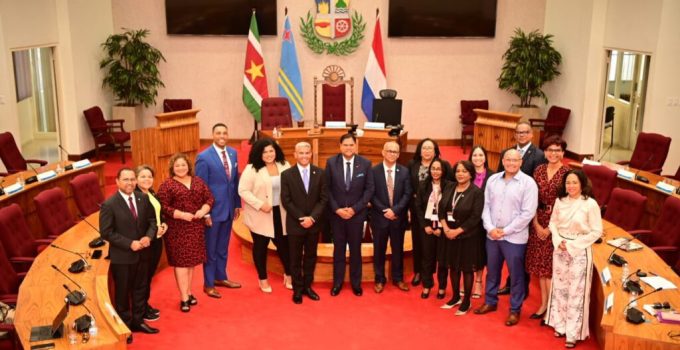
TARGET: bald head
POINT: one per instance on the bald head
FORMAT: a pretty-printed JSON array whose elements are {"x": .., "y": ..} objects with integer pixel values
[
  {"x": 390, "y": 153},
  {"x": 512, "y": 162}
]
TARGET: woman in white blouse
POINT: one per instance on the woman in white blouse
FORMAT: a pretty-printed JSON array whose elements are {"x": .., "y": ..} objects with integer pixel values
[
  {"x": 260, "y": 189},
  {"x": 575, "y": 225}
]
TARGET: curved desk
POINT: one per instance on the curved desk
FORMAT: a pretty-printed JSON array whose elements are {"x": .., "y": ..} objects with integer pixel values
[
  {"x": 611, "y": 329},
  {"x": 41, "y": 294}
]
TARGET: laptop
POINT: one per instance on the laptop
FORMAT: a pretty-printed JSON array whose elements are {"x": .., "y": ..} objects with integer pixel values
[{"x": 56, "y": 330}]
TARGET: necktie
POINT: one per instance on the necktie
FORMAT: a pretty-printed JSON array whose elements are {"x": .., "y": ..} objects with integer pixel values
[
  {"x": 348, "y": 176},
  {"x": 226, "y": 164},
  {"x": 132, "y": 208},
  {"x": 521, "y": 152},
  {"x": 305, "y": 179},
  {"x": 390, "y": 186}
]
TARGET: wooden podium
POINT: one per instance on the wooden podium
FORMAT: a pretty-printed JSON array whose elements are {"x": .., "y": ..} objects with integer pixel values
[
  {"x": 174, "y": 132},
  {"x": 495, "y": 131}
]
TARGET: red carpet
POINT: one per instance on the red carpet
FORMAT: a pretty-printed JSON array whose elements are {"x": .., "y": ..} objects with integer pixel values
[{"x": 248, "y": 318}]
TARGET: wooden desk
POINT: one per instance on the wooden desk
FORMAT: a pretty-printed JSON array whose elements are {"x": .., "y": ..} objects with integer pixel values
[
  {"x": 655, "y": 197},
  {"x": 611, "y": 329},
  {"x": 327, "y": 143},
  {"x": 41, "y": 294},
  {"x": 24, "y": 198}
]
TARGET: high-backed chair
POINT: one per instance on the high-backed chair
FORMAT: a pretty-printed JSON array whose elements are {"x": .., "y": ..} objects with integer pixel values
[
  {"x": 53, "y": 211},
  {"x": 275, "y": 113},
  {"x": 110, "y": 135},
  {"x": 554, "y": 123},
  {"x": 11, "y": 156},
  {"x": 16, "y": 238},
  {"x": 603, "y": 180},
  {"x": 334, "y": 95},
  {"x": 9, "y": 292},
  {"x": 625, "y": 209},
  {"x": 468, "y": 118},
  {"x": 86, "y": 193},
  {"x": 173, "y": 105},
  {"x": 664, "y": 238},
  {"x": 650, "y": 152},
  {"x": 675, "y": 177}
]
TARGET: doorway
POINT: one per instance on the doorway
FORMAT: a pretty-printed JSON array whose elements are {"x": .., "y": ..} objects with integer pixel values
[
  {"x": 36, "y": 102},
  {"x": 624, "y": 103}
]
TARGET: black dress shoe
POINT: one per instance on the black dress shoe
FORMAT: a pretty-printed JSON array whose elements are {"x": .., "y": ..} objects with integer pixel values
[
  {"x": 129, "y": 339},
  {"x": 335, "y": 290},
  {"x": 416, "y": 280},
  {"x": 504, "y": 291},
  {"x": 150, "y": 316},
  {"x": 357, "y": 291},
  {"x": 425, "y": 295},
  {"x": 145, "y": 328},
  {"x": 153, "y": 310},
  {"x": 537, "y": 316},
  {"x": 297, "y": 298},
  {"x": 441, "y": 295},
  {"x": 311, "y": 294}
]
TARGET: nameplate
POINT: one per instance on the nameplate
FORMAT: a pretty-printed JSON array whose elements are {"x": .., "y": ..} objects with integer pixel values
[
  {"x": 625, "y": 174},
  {"x": 46, "y": 175},
  {"x": 374, "y": 126},
  {"x": 606, "y": 275},
  {"x": 81, "y": 164},
  {"x": 587, "y": 161},
  {"x": 668, "y": 188},
  {"x": 336, "y": 125},
  {"x": 12, "y": 189},
  {"x": 609, "y": 303}
]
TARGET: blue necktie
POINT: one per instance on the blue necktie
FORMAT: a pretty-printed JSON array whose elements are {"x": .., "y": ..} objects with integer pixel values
[
  {"x": 305, "y": 179},
  {"x": 348, "y": 176}
]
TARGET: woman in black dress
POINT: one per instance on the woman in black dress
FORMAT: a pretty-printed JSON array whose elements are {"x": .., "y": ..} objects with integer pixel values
[
  {"x": 480, "y": 161},
  {"x": 460, "y": 214}
]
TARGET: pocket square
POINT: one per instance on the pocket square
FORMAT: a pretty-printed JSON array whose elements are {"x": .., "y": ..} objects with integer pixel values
[{"x": 360, "y": 175}]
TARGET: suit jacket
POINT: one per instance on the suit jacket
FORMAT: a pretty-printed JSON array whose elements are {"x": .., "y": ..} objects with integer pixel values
[
  {"x": 299, "y": 203},
  {"x": 210, "y": 168},
  {"x": 468, "y": 211},
  {"x": 255, "y": 188},
  {"x": 532, "y": 158},
  {"x": 360, "y": 190},
  {"x": 381, "y": 200},
  {"x": 414, "y": 167},
  {"x": 119, "y": 228},
  {"x": 421, "y": 200}
]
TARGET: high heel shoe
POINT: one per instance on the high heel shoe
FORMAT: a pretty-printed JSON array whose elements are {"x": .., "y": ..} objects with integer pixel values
[
  {"x": 264, "y": 286},
  {"x": 452, "y": 303},
  {"x": 425, "y": 294},
  {"x": 441, "y": 294},
  {"x": 478, "y": 292},
  {"x": 192, "y": 300},
  {"x": 184, "y": 306},
  {"x": 288, "y": 281},
  {"x": 463, "y": 309},
  {"x": 537, "y": 316}
]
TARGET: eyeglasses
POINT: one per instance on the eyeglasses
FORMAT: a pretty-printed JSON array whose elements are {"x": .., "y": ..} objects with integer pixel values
[
  {"x": 392, "y": 152},
  {"x": 512, "y": 160},
  {"x": 522, "y": 132}
]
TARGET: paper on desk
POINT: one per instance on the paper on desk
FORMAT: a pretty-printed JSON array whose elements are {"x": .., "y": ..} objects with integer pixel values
[
  {"x": 650, "y": 309},
  {"x": 657, "y": 282},
  {"x": 587, "y": 161}
]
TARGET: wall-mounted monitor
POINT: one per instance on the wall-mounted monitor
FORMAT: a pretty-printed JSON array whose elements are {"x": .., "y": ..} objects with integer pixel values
[
  {"x": 442, "y": 18},
  {"x": 219, "y": 17}
]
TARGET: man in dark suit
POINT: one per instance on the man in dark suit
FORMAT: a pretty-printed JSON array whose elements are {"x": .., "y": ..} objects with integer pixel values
[
  {"x": 350, "y": 188},
  {"x": 304, "y": 196},
  {"x": 217, "y": 167},
  {"x": 532, "y": 157},
  {"x": 128, "y": 222},
  {"x": 389, "y": 217}
]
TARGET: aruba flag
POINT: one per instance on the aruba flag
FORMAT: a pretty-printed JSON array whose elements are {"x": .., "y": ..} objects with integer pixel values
[{"x": 290, "y": 81}]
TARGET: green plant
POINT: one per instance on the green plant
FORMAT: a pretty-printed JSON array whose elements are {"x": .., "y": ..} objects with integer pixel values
[
  {"x": 132, "y": 68},
  {"x": 530, "y": 62}
]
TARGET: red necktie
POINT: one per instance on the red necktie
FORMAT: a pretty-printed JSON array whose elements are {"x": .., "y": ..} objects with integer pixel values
[
  {"x": 226, "y": 164},
  {"x": 132, "y": 208}
]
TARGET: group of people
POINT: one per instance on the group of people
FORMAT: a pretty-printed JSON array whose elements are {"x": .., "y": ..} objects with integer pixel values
[{"x": 534, "y": 214}]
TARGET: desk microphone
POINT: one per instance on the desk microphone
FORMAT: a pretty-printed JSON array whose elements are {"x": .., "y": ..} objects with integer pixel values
[
  {"x": 68, "y": 155},
  {"x": 634, "y": 315},
  {"x": 640, "y": 177},
  {"x": 84, "y": 322},
  {"x": 74, "y": 297},
  {"x": 616, "y": 259},
  {"x": 97, "y": 242},
  {"x": 78, "y": 265},
  {"x": 632, "y": 286},
  {"x": 34, "y": 178}
]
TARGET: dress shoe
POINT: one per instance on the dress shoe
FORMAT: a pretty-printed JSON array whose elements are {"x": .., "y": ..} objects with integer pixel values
[
  {"x": 192, "y": 300},
  {"x": 357, "y": 291},
  {"x": 504, "y": 291},
  {"x": 211, "y": 292},
  {"x": 513, "y": 319},
  {"x": 441, "y": 294},
  {"x": 451, "y": 303},
  {"x": 184, "y": 306},
  {"x": 153, "y": 310},
  {"x": 297, "y": 298},
  {"x": 145, "y": 328},
  {"x": 425, "y": 293},
  {"x": 227, "y": 284},
  {"x": 309, "y": 292},
  {"x": 416, "y": 280},
  {"x": 537, "y": 316},
  {"x": 265, "y": 286},
  {"x": 150, "y": 316},
  {"x": 401, "y": 285},
  {"x": 485, "y": 309},
  {"x": 379, "y": 287},
  {"x": 335, "y": 290},
  {"x": 463, "y": 309},
  {"x": 129, "y": 339},
  {"x": 288, "y": 282}
]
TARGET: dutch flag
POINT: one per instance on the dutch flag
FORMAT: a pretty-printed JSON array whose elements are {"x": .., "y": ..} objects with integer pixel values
[{"x": 375, "y": 78}]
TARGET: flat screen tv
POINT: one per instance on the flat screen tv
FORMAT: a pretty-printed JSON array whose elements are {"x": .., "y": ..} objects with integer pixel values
[
  {"x": 219, "y": 17},
  {"x": 442, "y": 18}
]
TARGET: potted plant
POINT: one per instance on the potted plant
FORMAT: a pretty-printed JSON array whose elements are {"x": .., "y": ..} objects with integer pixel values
[
  {"x": 529, "y": 62},
  {"x": 132, "y": 73}
]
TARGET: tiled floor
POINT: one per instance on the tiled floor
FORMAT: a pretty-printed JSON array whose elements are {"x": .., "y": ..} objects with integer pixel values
[
  {"x": 45, "y": 149},
  {"x": 615, "y": 154}
]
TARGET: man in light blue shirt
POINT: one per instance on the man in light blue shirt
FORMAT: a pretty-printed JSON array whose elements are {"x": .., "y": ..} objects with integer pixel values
[{"x": 510, "y": 202}]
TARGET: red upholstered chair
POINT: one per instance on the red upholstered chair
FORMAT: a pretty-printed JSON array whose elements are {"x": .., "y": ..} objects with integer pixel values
[
  {"x": 650, "y": 152},
  {"x": 173, "y": 105},
  {"x": 675, "y": 177},
  {"x": 11, "y": 156},
  {"x": 86, "y": 193},
  {"x": 468, "y": 118},
  {"x": 16, "y": 237},
  {"x": 625, "y": 209},
  {"x": 53, "y": 211},
  {"x": 334, "y": 95},
  {"x": 9, "y": 290},
  {"x": 603, "y": 180},
  {"x": 554, "y": 123},
  {"x": 664, "y": 238},
  {"x": 275, "y": 113},
  {"x": 108, "y": 134}
]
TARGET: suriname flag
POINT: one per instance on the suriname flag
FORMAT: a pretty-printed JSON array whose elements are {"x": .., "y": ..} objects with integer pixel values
[{"x": 254, "y": 77}]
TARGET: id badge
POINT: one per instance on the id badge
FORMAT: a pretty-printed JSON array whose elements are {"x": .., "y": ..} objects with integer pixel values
[{"x": 449, "y": 217}]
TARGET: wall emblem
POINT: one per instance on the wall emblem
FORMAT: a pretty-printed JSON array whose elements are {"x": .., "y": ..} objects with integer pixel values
[{"x": 332, "y": 22}]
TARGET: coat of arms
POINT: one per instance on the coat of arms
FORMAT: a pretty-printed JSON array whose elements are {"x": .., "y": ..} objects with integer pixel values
[{"x": 333, "y": 21}]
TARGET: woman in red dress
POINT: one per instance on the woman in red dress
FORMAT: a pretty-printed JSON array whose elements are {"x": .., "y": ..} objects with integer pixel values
[
  {"x": 539, "y": 246},
  {"x": 185, "y": 200}
]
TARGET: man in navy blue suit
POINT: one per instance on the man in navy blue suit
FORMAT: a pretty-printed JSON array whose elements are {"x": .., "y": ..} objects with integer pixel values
[
  {"x": 217, "y": 166},
  {"x": 388, "y": 213},
  {"x": 350, "y": 188}
]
